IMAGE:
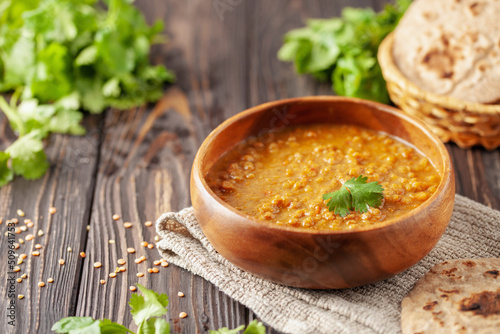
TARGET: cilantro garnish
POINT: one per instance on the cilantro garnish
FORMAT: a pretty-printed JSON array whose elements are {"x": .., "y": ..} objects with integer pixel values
[
  {"x": 147, "y": 312},
  {"x": 355, "y": 194},
  {"x": 59, "y": 57}
]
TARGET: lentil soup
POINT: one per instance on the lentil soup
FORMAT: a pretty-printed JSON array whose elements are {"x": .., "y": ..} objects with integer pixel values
[{"x": 282, "y": 176}]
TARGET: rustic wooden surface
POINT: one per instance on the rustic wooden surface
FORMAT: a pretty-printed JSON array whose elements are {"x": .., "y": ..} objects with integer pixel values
[{"x": 136, "y": 163}]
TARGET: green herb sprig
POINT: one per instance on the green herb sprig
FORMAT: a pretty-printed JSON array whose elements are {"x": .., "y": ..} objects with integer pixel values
[
  {"x": 62, "y": 56},
  {"x": 355, "y": 194},
  {"x": 344, "y": 50},
  {"x": 146, "y": 311}
]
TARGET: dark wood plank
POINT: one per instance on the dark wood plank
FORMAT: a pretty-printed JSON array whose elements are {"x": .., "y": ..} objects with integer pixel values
[{"x": 68, "y": 186}]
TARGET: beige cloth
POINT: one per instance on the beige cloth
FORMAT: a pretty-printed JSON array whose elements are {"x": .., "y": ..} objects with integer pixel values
[{"x": 473, "y": 232}]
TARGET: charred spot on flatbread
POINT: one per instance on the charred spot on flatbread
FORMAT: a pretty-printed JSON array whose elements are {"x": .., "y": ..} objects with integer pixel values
[{"x": 485, "y": 303}]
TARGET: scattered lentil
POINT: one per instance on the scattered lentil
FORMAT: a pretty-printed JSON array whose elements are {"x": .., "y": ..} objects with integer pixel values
[
  {"x": 24, "y": 276},
  {"x": 180, "y": 294},
  {"x": 21, "y": 241},
  {"x": 127, "y": 224},
  {"x": 116, "y": 217},
  {"x": 121, "y": 261},
  {"x": 131, "y": 250},
  {"x": 183, "y": 315},
  {"x": 24, "y": 228},
  {"x": 133, "y": 288},
  {"x": 111, "y": 241},
  {"x": 157, "y": 262},
  {"x": 150, "y": 270},
  {"x": 97, "y": 264},
  {"x": 140, "y": 274},
  {"x": 155, "y": 270},
  {"x": 82, "y": 254},
  {"x": 61, "y": 262},
  {"x": 157, "y": 238},
  {"x": 144, "y": 244},
  {"x": 30, "y": 224},
  {"x": 23, "y": 256},
  {"x": 50, "y": 280},
  {"x": 52, "y": 210},
  {"x": 122, "y": 269},
  {"x": 20, "y": 213},
  {"x": 40, "y": 233},
  {"x": 29, "y": 237},
  {"x": 20, "y": 296},
  {"x": 16, "y": 269},
  {"x": 19, "y": 280},
  {"x": 164, "y": 264},
  {"x": 112, "y": 275},
  {"x": 151, "y": 246},
  {"x": 148, "y": 223},
  {"x": 102, "y": 281},
  {"x": 38, "y": 246},
  {"x": 19, "y": 261},
  {"x": 35, "y": 253},
  {"x": 69, "y": 249},
  {"x": 41, "y": 284}
]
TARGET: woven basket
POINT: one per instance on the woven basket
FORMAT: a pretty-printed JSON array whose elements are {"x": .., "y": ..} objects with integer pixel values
[{"x": 465, "y": 123}]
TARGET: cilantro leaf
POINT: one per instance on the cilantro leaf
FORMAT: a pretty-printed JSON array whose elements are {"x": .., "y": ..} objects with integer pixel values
[
  {"x": 254, "y": 327},
  {"x": 6, "y": 174},
  {"x": 68, "y": 324},
  {"x": 28, "y": 158},
  {"x": 344, "y": 50},
  {"x": 150, "y": 304},
  {"x": 355, "y": 194},
  {"x": 364, "y": 194},
  {"x": 155, "y": 326}
]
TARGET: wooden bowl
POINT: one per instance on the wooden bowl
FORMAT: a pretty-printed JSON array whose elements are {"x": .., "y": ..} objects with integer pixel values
[{"x": 322, "y": 259}]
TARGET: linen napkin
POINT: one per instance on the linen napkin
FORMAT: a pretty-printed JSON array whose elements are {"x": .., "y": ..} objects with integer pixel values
[{"x": 473, "y": 232}]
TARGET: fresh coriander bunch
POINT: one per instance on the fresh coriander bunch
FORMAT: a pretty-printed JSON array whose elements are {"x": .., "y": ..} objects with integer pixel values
[
  {"x": 147, "y": 311},
  {"x": 344, "y": 50},
  {"x": 62, "y": 56}
]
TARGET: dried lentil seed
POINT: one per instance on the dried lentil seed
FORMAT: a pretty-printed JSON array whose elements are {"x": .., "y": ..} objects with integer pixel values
[
  {"x": 133, "y": 288},
  {"x": 38, "y": 246},
  {"x": 16, "y": 269},
  {"x": 82, "y": 254},
  {"x": 23, "y": 228},
  {"x": 41, "y": 284},
  {"x": 140, "y": 274},
  {"x": 52, "y": 210},
  {"x": 148, "y": 223},
  {"x": 21, "y": 241},
  {"x": 116, "y": 217},
  {"x": 150, "y": 270},
  {"x": 155, "y": 270},
  {"x": 20, "y": 296},
  {"x": 19, "y": 261},
  {"x": 23, "y": 256},
  {"x": 111, "y": 241},
  {"x": 20, "y": 213},
  {"x": 183, "y": 315},
  {"x": 24, "y": 276},
  {"x": 122, "y": 269},
  {"x": 151, "y": 246},
  {"x": 112, "y": 275},
  {"x": 127, "y": 224},
  {"x": 30, "y": 224},
  {"x": 40, "y": 233},
  {"x": 144, "y": 244},
  {"x": 69, "y": 249},
  {"x": 97, "y": 264},
  {"x": 121, "y": 261},
  {"x": 50, "y": 280},
  {"x": 157, "y": 262},
  {"x": 61, "y": 262},
  {"x": 164, "y": 264},
  {"x": 131, "y": 250},
  {"x": 180, "y": 294},
  {"x": 35, "y": 253},
  {"x": 19, "y": 280},
  {"x": 102, "y": 281}
]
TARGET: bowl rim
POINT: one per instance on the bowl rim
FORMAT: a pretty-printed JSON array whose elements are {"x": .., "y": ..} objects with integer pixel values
[{"x": 446, "y": 177}]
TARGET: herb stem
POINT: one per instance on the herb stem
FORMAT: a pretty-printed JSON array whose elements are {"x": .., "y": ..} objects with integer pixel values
[{"x": 13, "y": 116}]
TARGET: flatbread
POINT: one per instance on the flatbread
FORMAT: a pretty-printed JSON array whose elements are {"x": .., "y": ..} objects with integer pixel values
[
  {"x": 456, "y": 296},
  {"x": 451, "y": 47}
]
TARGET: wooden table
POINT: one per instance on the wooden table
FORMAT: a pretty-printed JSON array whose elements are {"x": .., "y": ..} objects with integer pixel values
[{"x": 136, "y": 163}]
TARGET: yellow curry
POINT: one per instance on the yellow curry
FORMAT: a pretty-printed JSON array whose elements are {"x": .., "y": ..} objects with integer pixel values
[{"x": 282, "y": 176}]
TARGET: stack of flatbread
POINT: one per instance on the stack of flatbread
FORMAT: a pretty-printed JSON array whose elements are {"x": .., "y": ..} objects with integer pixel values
[
  {"x": 456, "y": 296},
  {"x": 451, "y": 47}
]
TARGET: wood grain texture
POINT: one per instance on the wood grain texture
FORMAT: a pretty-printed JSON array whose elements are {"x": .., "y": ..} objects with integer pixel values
[
  {"x": 142, "y": 166},
  {"x": 68, "y": 186}
]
